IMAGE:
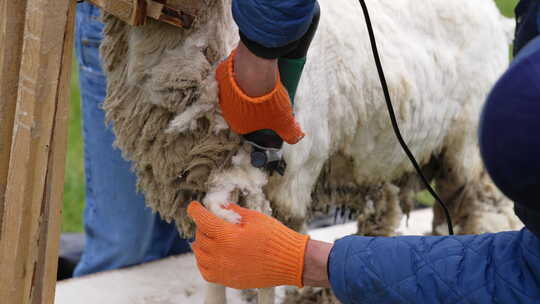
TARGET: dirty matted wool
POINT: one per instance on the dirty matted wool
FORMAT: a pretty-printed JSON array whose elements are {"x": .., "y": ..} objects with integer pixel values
[
  {"x": 310, "y": 296},
  {"x": 152, "y": 88}
]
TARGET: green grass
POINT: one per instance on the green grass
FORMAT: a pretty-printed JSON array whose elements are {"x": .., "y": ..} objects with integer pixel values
[
  {"x": 74, "y": 183},
  {"x": 507, "y": 6}
]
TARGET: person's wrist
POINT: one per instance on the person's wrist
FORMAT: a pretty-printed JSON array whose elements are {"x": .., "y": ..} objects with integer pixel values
[
  {"x": 315, "y": 272},
  {"x": 256, "y": 76},
  {"x": 286, "y": 249}
]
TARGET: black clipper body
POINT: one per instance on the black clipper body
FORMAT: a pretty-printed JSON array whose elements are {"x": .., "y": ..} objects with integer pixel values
[{"x": 267, "y": 151}]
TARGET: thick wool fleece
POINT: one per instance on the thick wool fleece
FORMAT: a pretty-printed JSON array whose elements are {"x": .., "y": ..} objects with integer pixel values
[{"x": 162, "y": 78}]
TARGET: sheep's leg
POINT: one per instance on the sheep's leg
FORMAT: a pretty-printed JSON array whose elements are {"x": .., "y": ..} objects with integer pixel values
[
  {"x": 215, "y": 294},
  {"x": 266, "y": 296},
  {"x": 224, "y": 189},
  {"x": 382, "y": 212},
  {"x": 452, "y": 190},
  {"x": 475, "y": 204},
  {"x": 457, "y": 181}
]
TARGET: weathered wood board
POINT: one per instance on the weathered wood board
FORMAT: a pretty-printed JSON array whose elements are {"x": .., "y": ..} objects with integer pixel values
[{"x": 34, "y": 189}]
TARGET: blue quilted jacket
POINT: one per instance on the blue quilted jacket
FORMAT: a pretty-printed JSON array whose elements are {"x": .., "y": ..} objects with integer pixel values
[
  {"x": 273, "y": 23},
  {"x": 490, "y": 268}
]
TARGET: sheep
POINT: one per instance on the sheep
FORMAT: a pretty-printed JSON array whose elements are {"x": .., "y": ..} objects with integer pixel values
[{"x": 440, "y": 58}]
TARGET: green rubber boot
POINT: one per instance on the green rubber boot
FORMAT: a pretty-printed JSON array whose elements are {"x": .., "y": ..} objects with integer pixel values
[{"x": 290, "y": 71}]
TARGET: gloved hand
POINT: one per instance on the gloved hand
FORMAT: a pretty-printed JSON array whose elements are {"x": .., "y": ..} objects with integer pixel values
[
  {"x": 260, "y": 252},
  {"x": 246, "y": 114}
]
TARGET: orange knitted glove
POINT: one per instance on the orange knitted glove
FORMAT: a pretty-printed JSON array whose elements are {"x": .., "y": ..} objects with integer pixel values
[
  {"x": 259, "y": 252},
  {"x": 246, "y": 114}
]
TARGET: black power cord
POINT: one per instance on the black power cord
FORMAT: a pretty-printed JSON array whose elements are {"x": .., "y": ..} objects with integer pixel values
[{"x": 394, "y": 120}]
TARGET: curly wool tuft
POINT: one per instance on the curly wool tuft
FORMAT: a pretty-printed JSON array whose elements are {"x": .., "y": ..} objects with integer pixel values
[{"x": 164, "y": 112}]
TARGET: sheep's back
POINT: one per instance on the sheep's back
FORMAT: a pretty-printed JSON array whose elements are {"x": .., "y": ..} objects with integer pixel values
[{"x": 440, "y": 60}]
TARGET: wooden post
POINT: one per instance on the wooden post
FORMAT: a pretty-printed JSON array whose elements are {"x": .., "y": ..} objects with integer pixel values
[
  {"x": 31, "y": 216},
  {"x": 11, "y": 37}
]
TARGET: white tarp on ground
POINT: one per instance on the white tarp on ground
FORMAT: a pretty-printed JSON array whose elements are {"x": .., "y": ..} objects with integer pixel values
[{"x": 176, "y": 280}]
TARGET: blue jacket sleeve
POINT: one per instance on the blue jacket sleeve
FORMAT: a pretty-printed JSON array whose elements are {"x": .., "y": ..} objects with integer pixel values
[
  {"x": 491, "y": 268},
  {"x": 273, "y": 23}
]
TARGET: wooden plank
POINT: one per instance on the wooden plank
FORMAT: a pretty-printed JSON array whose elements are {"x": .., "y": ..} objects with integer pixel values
[
  {"x": 135, "y": 12},
  {"x": 35, "y": 179},
  {"x": 44, "y": 282},
  {"x": 11, "y": 38}
]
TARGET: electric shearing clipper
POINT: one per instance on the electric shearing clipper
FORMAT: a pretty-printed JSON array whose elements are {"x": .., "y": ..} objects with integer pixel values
[{"x": 267, "y": 151}]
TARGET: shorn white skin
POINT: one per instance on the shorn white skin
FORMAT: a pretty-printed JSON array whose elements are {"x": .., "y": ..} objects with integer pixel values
[{"x": 440, "y": 58}]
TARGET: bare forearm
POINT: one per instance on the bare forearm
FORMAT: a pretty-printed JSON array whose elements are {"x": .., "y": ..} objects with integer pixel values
[{"x": 316, "y": 264}]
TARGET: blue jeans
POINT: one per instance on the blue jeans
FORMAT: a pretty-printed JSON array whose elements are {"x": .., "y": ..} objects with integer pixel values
[{"x": 120, "y": 229}]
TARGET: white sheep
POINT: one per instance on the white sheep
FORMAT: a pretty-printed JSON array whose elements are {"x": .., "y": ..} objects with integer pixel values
[{"x": 440, "y": 57}]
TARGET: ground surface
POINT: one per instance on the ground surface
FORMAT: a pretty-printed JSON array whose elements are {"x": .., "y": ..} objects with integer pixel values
[{"x": 176, "y": 280}]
